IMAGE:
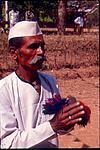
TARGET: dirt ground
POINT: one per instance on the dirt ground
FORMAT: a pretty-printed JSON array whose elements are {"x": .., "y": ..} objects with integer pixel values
[
  {"x": 79, "y": 78},
  {"x": 82, "y": 82},
  {"x": 87, "y": 90}
]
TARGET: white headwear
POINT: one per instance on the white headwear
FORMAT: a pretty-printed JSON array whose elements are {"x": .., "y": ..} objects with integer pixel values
[{"x": 24, "y": 28}]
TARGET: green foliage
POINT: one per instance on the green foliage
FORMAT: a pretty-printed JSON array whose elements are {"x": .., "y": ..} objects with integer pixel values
[{"x": 45, "y": 19}]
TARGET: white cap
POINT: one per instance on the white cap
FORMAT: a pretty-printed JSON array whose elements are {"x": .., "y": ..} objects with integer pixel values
[{"x": 24, "y": 28}]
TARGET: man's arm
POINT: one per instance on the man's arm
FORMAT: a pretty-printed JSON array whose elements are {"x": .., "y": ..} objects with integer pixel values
[{"x": 11, "y": 136}]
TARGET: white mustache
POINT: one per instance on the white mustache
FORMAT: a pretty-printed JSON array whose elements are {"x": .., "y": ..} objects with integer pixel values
[{"x": 36, "y": 59}]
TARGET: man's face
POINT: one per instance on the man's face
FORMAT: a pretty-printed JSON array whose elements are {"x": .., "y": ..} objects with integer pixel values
[{"x": 31, "y": 53}]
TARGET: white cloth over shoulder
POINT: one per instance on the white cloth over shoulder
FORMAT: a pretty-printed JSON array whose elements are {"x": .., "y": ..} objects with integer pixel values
[
  {"x": 79, "y": 20},
  {"x": 22, "y": 123}
]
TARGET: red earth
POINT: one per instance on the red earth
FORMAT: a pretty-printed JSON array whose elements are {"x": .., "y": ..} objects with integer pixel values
[{"x": 73, "y": 61}]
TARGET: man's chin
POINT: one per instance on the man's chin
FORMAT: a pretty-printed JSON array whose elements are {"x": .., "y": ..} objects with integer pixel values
[{"x": 38, "y": 65}]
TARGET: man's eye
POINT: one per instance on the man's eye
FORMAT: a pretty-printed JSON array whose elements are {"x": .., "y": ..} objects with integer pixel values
[
  {"x": 42, "y": 46},
  {"x": 36, "y": 45}
]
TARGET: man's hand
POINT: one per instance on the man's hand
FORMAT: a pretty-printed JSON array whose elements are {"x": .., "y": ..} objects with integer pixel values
[{"x": 68, "y": 116}]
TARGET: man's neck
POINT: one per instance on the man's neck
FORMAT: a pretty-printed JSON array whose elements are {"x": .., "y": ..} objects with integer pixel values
[{"x": 26, "y": 75}]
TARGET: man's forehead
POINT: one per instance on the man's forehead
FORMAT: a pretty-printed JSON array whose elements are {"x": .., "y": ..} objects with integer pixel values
[
  {"x": 30, "y": 40},
  {"x": 34, "y": 38}
]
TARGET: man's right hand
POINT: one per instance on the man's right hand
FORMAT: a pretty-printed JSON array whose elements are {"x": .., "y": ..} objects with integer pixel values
[{"x": 67, "y": 117}]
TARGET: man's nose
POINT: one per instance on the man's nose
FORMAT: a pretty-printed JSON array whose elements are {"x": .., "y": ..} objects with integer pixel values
[{"x": 39, "y": 50}]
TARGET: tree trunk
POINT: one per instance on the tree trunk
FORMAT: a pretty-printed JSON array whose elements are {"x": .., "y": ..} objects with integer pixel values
[{"x": 61, "y": 17}]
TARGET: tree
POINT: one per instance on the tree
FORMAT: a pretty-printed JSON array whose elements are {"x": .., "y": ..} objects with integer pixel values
[{"x": 61, "y": 17}]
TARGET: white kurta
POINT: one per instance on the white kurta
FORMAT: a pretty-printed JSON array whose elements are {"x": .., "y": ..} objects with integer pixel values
[{"x": 22, "y": 123}]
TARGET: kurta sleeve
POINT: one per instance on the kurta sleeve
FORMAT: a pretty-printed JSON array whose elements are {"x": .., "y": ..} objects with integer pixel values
[{"x": 11, "y": 136}]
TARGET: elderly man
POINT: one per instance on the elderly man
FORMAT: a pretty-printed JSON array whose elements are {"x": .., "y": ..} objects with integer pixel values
[{"x": 24, "y": 92}]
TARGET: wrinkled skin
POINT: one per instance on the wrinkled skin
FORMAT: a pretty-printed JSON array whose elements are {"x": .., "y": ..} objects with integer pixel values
[
  {"x": 80, "y": 113},
  {"x": 61, "y": 119}
]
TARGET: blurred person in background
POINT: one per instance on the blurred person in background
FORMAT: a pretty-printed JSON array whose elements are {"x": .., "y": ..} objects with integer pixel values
[
  {"x": 79, "y": 23},
  {"x": 13, "y": 16},
  {"x": 29, "y": 15}
]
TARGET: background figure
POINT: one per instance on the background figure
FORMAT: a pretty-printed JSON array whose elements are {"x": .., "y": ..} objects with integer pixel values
[
  {"x": 79, "y": 23},
  {"x": 29, "y": 15},
  {"x": 13, "y": 16}
]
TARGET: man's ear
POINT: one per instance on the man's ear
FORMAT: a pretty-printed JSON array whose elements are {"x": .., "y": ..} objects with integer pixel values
[{"x": 13, "y": 52}]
